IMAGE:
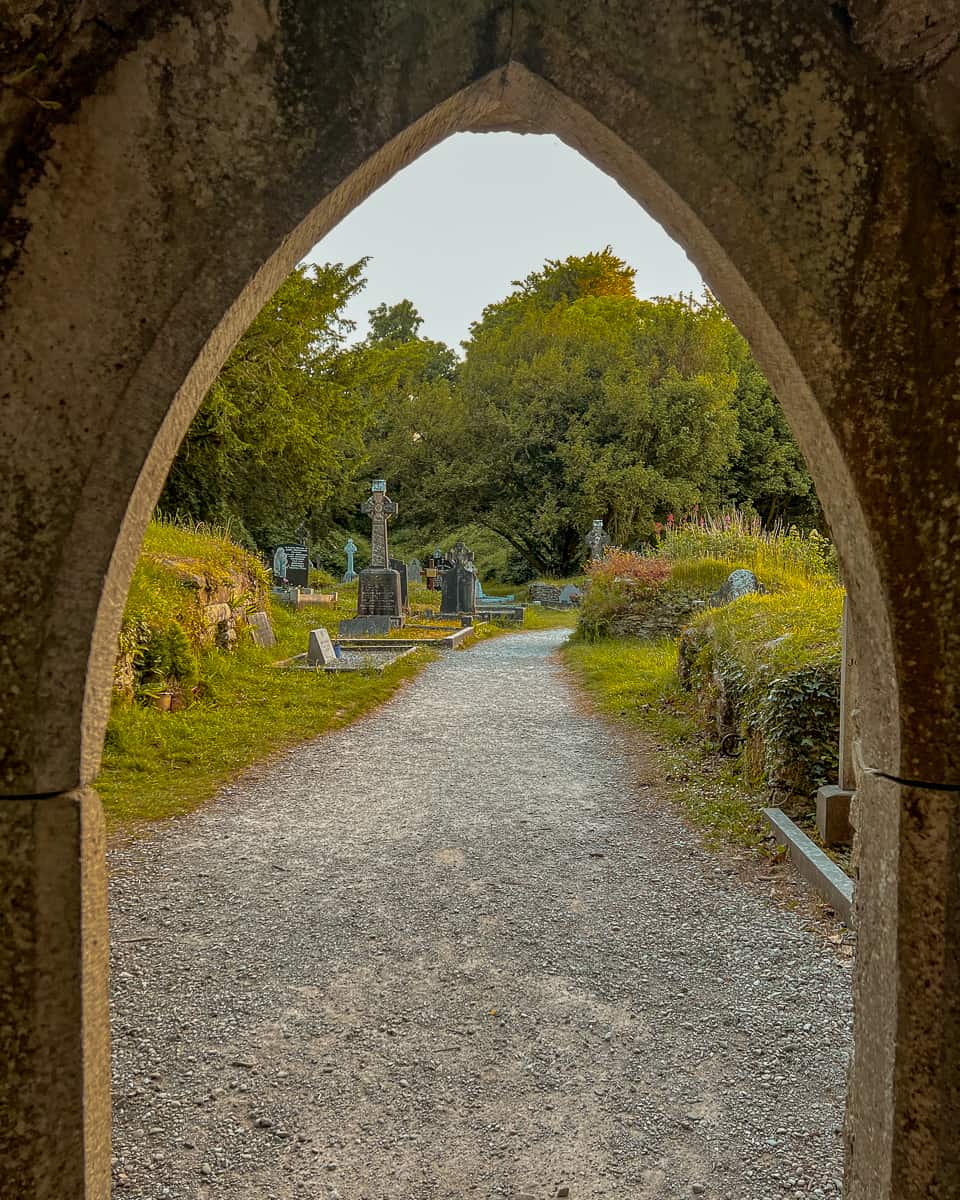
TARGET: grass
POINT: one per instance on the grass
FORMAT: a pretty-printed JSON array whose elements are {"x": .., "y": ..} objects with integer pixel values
[
  {"x": 536, "y": 617},
  {"x": 635, "y": 683},
  {"x": 781, "y": 558},
  {"x": 158, "y": 765},
  {"x": 781, "y": 632}
]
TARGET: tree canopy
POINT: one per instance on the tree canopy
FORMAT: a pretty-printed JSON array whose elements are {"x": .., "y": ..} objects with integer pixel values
[{"x": 574, "y": 400}]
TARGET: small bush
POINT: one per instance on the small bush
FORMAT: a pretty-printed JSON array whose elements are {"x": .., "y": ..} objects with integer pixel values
[{"x": 619, "y": 585}]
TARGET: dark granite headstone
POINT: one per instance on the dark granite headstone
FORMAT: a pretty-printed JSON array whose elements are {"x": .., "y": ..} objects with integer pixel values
[
  {"x": 320, "y": 651},
  {"x": 400, "y": 567},
  {"x": 459, "y": 588},
  {"x": 738, "y": 583},
  {"x": 366, "y": 627},
  {"x": 379, "y": 594},
  {"x": 292, "y": 563}
]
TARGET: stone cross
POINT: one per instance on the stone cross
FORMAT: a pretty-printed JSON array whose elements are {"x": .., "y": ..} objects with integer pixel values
[
  {"x": 378, "y": 508},
  {"x": 597, "y": 540},
  {"x": 350, "y": 550}
]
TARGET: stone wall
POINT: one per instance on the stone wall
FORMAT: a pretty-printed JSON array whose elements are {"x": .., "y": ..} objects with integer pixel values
[
  {"x": 211, "y": 606},
  {"x": 659, "y": 614}
]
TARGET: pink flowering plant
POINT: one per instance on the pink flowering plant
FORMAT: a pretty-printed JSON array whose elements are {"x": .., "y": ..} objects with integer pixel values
[{"x": 618, "y": 581}]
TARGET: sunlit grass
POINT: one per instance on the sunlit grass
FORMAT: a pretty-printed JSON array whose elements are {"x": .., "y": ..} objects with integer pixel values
[
  {"x": 635, "y": 683},
  {"x": 160, "y": 764}
]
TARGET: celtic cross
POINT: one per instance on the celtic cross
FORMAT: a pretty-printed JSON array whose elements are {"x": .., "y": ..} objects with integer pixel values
[
  {"x": 597, "y": 540},
  {"x": 378, "y": 508}
]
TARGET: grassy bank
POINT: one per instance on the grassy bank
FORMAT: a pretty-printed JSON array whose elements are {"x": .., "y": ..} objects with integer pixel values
[
  {"x": 635, "y": 683},
  {"x": 159, "y": 764},
  {"x": 758, "y": 674},
  {"x": 237, "y": 709}
]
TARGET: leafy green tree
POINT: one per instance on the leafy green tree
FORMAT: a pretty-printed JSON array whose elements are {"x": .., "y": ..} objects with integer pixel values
[
  {"x": 394, "y": 322},
  {"x": 769, "y": 474},
  {"x": 569, "y": 409},
  {"x": 280, "y": 431}
]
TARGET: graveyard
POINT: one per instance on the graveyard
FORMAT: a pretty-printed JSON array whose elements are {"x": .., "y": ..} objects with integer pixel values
[{"x": 213, "y": 675}]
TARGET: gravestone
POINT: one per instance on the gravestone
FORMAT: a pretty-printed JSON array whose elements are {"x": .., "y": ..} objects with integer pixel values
[
  {"x": 459, "y": 583},
  {"x": 320, "y": 651},
  {"x": 379, "y": 593},
  {"x": 570, "y": 594},
  {"x": 291, "y": 565},
  {"x": 740, "y": 582},
  {"x": 262, "y": 630},
  {"x": 413, "y": 570},
  {"x": 597, "y": 540},
  {"x": 350, "y": 549},
  {"x": 365, "y": 627},
  {"x": 483, "y": 598},
  {"x": 400, "y": 567}
]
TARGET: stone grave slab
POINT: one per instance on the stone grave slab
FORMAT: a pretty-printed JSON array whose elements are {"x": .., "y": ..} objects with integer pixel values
[
  {"x": 320, "y": 651},
  {"x": 261, "y": 629}
]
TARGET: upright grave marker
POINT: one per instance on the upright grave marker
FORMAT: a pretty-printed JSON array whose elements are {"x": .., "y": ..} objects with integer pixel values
[
  {"x": 320, "y": 651},
  {"x": 291, "y": 565},
  {"x": 350, "y": 550},
  {"x": 459, "y": 586},
  {"x": 413, "y": 570},
  {"x": 379, "y": 593},
  {"x": 597, "y": 540},
  {"x": 398, "y": 565}
]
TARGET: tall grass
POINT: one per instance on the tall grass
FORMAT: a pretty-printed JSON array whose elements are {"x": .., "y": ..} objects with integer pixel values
[{"x": 780, "y": 557}]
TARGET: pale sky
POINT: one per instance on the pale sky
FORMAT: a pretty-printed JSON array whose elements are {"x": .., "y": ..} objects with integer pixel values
[{"x": 455, "y": 228}]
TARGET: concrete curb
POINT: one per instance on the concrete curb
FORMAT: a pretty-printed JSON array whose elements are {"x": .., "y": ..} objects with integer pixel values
[{"x": 820, "y": 871}]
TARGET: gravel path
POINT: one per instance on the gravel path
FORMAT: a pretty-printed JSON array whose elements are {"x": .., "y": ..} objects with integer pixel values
[{"x": 462, "y": 949}]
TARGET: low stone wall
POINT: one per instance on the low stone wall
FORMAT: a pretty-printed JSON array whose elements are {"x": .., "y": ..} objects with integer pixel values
[
  {"x": 211, "y": 612},
  {"x": 661, "y": 614},
  {"x": 222, "y": 603}
]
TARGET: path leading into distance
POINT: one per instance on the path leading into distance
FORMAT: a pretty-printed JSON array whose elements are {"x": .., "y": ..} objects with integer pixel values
[{"x": 464, "y": 948}]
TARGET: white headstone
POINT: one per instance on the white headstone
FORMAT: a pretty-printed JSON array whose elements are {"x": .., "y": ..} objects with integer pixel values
[{"x": 320, "y": 651}]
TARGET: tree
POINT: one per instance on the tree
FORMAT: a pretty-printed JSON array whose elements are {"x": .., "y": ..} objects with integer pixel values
[
  {"x": 394, "y": 323},
  {"x": 280, "y": 430},
  {"x": 567, "y": 409}
]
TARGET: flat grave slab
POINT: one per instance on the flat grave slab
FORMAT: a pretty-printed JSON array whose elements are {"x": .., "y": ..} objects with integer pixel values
[{"x": 369, "y": 658}]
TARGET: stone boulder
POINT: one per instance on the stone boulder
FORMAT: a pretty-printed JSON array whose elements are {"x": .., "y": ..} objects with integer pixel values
[{"x": 738, "y": 583}]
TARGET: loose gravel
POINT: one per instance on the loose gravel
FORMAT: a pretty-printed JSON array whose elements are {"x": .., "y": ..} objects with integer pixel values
[{"x": 463, "y": 948}]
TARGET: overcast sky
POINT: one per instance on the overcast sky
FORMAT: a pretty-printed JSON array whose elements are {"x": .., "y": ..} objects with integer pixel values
[{"x": 456, "y": 227}]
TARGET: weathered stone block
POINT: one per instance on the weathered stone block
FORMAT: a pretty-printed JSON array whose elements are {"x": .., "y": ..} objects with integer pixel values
[
  {"x": 261, "y": 629},
  {"x": 833, "y": 815},
  {"x": 320, "y": 651}
]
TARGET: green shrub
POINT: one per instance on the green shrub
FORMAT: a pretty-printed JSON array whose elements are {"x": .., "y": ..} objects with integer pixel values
[{"x": 621, "y": 584}]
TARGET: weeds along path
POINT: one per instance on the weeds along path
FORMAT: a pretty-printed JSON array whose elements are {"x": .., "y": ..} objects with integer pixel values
[{"x": 458, "y": 949}]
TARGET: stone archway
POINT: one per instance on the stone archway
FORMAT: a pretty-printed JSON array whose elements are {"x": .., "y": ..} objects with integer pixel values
[{"x": 803, "y": 160}]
